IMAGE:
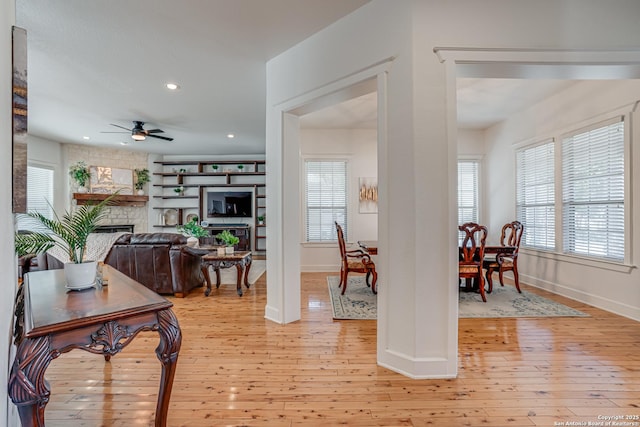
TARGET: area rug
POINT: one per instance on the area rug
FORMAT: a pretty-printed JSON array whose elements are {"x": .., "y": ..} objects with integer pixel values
[
  {"x": 229, "y": 276},
  {"x": 357, "y": 303},
  {"x": 505, "y": 301}
]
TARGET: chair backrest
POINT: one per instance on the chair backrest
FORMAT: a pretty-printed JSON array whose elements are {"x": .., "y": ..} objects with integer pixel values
[
  {"x": 512, "y": 234},
  {"x": 473, "y": 242},
  {"x": 343, "y": 247}
]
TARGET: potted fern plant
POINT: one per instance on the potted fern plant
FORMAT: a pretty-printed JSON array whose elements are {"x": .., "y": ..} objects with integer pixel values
[
  {"x": 81, "y": 174},
  {"x": 69, "y": 233},
  {"x": 193, "y": 232},
  {"x": 142, "y": 177},
  {"x": 228, "y": 239}
]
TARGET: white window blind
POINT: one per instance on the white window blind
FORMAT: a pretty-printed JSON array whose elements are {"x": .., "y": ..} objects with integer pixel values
[
  {"x": 468, "y": 191},
  {"x": 326, "y": 199},
  {"x": 39, "y": 194},
  {"x": 593, "y": 191},
  {"x": 535, "y": 194}
]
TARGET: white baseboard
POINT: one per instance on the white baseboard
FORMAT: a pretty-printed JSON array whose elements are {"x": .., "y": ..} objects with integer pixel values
[{"x": 611, "y": 306}]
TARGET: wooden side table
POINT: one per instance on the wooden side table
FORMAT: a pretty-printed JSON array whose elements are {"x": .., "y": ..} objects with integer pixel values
[
  {"x": 240, "y": 259},
  {"x": 50, "y": 320}
]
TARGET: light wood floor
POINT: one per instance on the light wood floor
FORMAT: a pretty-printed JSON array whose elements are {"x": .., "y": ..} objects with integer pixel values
[{"x": 237, "y": 369}]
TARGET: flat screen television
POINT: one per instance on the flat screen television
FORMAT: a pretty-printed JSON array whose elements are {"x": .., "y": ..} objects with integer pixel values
[{"x": 238, "y": 204}]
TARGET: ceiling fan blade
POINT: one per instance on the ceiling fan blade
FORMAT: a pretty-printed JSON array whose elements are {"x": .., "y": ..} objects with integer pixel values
[
  {"x": 154, "y": 131},
  {"x": 160, "y": 137},
  {"x": 114, "y": 132},
  {"x": 121, "y": 127}
]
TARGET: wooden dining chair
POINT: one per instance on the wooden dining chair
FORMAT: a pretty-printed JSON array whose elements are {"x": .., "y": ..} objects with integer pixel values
[
  {"x": 504, "y": 257},
  {"x": 471, "y": 256},
  {"x": 356, "y": 261}
]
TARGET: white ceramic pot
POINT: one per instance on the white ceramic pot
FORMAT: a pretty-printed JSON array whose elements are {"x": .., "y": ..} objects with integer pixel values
[
  {"x": 228, "y": 250},
  {"x": 193, "y": 242},
  {"x": 140, "y": 192},
  {"x": 80, "y": 276},
  {"x": 82, "y": 189}
]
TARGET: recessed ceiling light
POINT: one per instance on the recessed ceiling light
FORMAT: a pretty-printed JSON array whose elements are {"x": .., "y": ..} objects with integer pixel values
[
  {"x": 86, "y": 137},
  {"x": 172, "y": 86},
  {"x": 124, "y": 142},
  {"x": 231, "y": 135}
]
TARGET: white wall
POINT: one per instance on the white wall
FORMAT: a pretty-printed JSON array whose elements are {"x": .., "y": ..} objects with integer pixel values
[
  {"x": 8, "y": 264},
  {"x": 594, "y": 283},
  {"x": 359, "y": 146},
  {"x": 418, "y": 153}
]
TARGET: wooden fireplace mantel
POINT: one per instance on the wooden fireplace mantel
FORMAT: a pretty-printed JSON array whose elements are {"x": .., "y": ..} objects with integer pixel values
[{"x": 118, "y": 200}]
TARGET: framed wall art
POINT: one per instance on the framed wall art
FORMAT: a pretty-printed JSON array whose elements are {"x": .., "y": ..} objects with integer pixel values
[
  {"x": 106, "y": 180},
  {"x": 368, "y": 195},
  {"x": 19, "y": 119}
]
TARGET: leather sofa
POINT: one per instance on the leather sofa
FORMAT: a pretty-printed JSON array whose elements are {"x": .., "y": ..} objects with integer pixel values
[{"x": 161, "y": 261}]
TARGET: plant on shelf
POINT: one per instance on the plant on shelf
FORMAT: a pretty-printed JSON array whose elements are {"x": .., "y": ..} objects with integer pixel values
[
  {"x": 142, "y": 177},
  {"x": 215, "y": 168},
  {"x": 81, "y": 175},
  {"x": 179, "y": 190},
  {"x": 227, "y": 238},
  {"x": 192, "y": 229},
  {"x": 261, "y": 219},
  {"x": 240, "y": 167}
]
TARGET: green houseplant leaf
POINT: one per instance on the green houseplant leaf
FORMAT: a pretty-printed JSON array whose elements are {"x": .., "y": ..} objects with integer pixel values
[
  {"x": 192, "y": 229},
  {"x": 227, "y": 238},
  {"x": 69, "y": 232}
]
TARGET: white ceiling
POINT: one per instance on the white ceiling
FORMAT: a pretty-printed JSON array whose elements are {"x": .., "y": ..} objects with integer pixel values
[{"x": 92, "y": 63}]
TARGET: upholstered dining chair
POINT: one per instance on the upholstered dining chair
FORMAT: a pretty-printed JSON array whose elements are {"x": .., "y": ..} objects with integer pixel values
[
  {"x": 504, "y": 257},
  {"x": 356, "y": 261},
  {"x": 474, "y": 237}
]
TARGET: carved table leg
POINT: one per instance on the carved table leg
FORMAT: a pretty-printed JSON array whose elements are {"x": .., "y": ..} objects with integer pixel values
[
  {"x": 167, "y": 352},
  {"x": 246, "y": 273},
  {"x": 27, "y": 387},
  {"x": 239, "y": 279},
  {"x": 207, "y": 278}
]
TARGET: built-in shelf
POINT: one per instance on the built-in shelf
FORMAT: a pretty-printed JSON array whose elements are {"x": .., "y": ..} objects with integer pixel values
[{"x": 118, "y": 200}]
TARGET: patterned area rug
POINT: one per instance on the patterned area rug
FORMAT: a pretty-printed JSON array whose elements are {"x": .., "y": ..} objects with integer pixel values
[
  {"x": 360, "y": 303},
  {"x": 505, "y": 301}
]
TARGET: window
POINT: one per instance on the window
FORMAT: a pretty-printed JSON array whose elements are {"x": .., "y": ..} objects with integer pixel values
[
  {"x": 39, "y": 194},
  {"x": 326, "y": 199},
  {"x": 535, "y": 195},
  {"x": 468, "y": 191},
  {"x": 593, "y": 191}
]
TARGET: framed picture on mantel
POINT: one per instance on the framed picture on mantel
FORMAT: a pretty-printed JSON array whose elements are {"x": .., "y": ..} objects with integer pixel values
[{"x": 105, "y": 180}]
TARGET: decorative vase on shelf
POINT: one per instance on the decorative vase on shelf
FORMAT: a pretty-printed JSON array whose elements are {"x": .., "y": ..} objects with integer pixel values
[{"x": 82, "y": 189}]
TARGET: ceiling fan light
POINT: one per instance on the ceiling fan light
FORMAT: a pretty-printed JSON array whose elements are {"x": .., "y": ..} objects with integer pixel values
[{"x": 138, "y": 136}]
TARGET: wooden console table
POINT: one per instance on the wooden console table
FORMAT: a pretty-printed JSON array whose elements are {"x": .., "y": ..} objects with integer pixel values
[{"x": 50, "y": 320}]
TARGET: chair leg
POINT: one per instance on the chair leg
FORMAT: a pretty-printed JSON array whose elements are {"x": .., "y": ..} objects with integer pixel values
[
  {"x": 344, "y": 285},
  {"x": 373, "y": 283},
  {"x": 366, "y": 279},
  {"x": 490, "y": 279},
  {"x": 500, "y": 275},
  {"x": 341, "y": 276},
  {"x": 516, "y": 277},
  {"x": 481, "y": 286}
]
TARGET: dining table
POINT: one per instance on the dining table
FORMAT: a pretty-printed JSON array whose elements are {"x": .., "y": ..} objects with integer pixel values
[{"x": 369, "y": 246}]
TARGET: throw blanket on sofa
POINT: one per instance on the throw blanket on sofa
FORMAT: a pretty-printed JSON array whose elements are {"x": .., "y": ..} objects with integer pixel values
[{"x": 98, "y": 247}]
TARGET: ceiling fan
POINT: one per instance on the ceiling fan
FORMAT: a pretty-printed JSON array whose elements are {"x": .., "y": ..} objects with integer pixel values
[{"x": 138, "y": 133}]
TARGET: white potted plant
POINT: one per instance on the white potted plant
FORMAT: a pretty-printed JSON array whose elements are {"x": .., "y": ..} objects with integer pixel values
[
  {"x": 81, "y": 175},
  {"x": 229, "y": 240},
  {"x": 142, "y": 177},
  {"x": 193, "y": 232},
  {"x": 69, "y": 233}
]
